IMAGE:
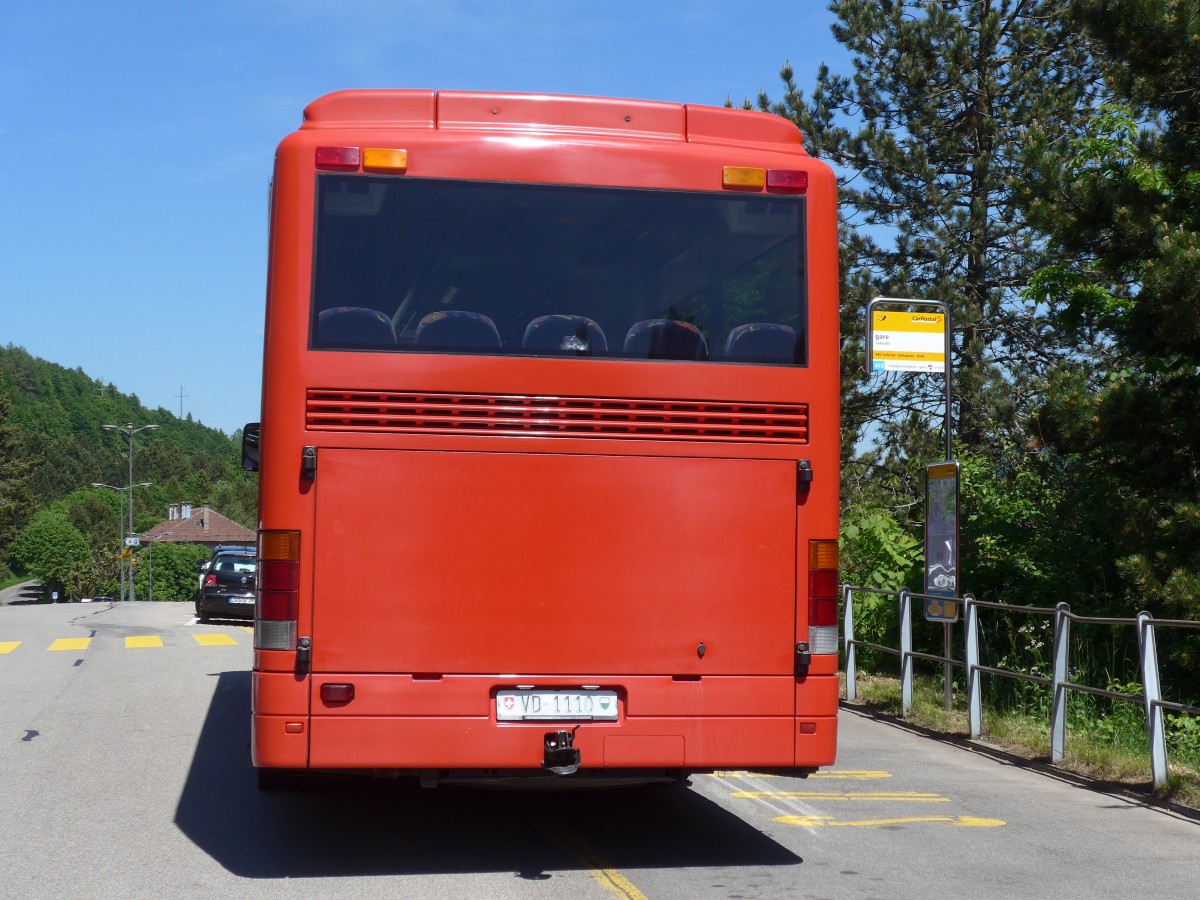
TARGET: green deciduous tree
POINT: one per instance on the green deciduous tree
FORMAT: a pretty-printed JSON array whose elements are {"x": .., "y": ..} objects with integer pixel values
[
  {"x": 173, "y": 567},
  {"x": 49, "y": 548}
]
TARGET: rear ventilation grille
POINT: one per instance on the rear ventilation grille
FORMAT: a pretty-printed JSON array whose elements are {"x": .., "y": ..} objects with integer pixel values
[{"x": 503, "y": 414}]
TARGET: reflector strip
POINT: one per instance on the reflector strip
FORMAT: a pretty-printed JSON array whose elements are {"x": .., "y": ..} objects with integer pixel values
[
  {"x": 389, "y": 160},
  {"x": 743, "y": 177},
  {"x": 337, "y": 693}
]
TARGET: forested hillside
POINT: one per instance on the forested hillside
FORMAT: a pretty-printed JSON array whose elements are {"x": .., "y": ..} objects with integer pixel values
[{"x": 52, "y": 448}]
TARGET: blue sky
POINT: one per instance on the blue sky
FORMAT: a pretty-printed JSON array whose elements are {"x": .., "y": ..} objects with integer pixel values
[{"x": 136, "y": 143}]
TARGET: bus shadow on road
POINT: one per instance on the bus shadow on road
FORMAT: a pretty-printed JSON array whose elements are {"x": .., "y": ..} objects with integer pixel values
[{"x": 373, "y": 828}]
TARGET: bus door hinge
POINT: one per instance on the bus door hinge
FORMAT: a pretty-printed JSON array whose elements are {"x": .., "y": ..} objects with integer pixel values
[
  {"x": 308, "y": 463},
  {"x": 304, "y": 656},
  {"x": 803, "y": 659},
  {"x": 804, "y": 475}
]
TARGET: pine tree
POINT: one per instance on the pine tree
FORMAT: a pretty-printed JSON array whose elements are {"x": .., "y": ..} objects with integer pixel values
[
  {"x": 1124, "y": 200},
  {"x": 927, "y": 134},
  {"x": 16, "y": 473}
]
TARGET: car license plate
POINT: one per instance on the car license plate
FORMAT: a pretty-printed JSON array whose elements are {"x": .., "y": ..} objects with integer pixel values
[
  {"x": 241, "y": 599},
  {"x": 524, "y": 706}
]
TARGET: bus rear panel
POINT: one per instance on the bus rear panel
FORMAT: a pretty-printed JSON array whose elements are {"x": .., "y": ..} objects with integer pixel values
[{"x": 549, "y": 444}]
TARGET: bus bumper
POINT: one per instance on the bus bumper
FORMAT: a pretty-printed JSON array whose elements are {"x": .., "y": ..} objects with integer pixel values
[{"x": 399, "y": 722}]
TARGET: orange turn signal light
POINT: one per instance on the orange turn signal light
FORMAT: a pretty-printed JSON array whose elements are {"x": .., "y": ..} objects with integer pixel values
[
  {"x": 384, "y": 159},
  {"x": 743, "y": 177}
]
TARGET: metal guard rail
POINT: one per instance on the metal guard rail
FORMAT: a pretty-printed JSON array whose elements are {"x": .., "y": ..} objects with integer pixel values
[{"x": 1151, "y": 697}]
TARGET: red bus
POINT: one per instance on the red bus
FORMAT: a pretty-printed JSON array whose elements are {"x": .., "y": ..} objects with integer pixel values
[{"x": 549, "y": 442}]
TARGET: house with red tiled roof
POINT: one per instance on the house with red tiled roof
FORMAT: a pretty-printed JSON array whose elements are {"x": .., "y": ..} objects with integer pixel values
[{"x": 186, "y": 524}]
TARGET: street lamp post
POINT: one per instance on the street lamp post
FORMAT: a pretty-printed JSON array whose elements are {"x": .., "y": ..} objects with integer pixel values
[{"x": 131, "y": 431}]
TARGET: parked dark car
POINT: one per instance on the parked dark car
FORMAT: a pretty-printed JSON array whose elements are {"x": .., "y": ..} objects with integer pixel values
[{"x": 226, "y": 588}]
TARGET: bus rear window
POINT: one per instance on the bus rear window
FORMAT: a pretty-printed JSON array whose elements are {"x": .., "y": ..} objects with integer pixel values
[{"x": 423, "y": 265}]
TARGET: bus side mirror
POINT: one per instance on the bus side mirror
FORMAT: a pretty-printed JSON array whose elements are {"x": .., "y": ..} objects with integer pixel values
[{"x": 250, "y": 436}]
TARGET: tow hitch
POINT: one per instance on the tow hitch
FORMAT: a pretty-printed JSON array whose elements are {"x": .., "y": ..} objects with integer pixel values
[{"x": 561, "y": 756}]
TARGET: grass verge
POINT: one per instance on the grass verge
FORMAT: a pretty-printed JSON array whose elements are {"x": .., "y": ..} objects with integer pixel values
[{"x": 1118, "y": 757}]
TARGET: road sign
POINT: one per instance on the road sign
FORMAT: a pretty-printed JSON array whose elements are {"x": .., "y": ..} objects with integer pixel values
[
  {"x": 133, "y": 541},
  {"x": 908, "y": 341}
]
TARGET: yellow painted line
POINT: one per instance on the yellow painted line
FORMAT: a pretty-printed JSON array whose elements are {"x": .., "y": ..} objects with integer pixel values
[
  {"x": 70, "y": 644},
  {"x": 214, "y": 640},
  {"x": 832, "y": 774},
  {"x": 887, "y": 796},
  {"x": 143, "y": 640},
  {"x": 9, "y": 646},
  {"x": 956, "y": 821},
  {"x": 249, "y": 629},
  {"x": 602, "y": 873}
]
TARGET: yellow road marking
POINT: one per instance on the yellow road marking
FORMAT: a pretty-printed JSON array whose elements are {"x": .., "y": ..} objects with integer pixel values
[
  {"x": 602, "y": 873},
  {"x": 70, "y": 644},
  {"x": 956, "y": 821},
  {"x": 9, "y": 646},
  {"x": 905, "y": 796},
  {"x": 834, "y": 774},
  {"x": 143, "y": 640},
  {"x": 214, "y": 640}
]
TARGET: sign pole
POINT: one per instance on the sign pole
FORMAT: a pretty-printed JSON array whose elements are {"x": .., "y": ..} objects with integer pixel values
[{"x": 906, "y": 342}]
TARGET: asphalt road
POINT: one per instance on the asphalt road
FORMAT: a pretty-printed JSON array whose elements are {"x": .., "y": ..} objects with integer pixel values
[{"x": 124, "y": 773}]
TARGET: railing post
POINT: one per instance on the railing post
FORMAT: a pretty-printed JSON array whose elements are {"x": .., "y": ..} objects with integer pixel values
[
  {"x": 974, "y": 701},
  {"x": 1058, "y": 705},
  {"x": 906, "y": 663},
  {"x": 1152, "y": 691},
  {"x": 848, "y": 631}
]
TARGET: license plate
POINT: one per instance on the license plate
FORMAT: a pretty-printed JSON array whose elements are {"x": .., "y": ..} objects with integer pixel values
[
  {"x": 524, "y": 706},
  {"x": 241, "y": 599}
]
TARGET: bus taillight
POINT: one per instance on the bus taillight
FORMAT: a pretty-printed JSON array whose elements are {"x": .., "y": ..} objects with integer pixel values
[
  {"x": 823, "y": 596},
  {"x": 344, "y": 158},
  {"x": 278, "y": 590}
]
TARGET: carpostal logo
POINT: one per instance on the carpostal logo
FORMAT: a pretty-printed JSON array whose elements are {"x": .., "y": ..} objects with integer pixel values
[{"x": 927, "y": 320}]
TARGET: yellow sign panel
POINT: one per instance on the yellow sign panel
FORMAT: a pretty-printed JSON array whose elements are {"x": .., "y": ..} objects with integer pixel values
[{"x": 908, "y": 342}]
